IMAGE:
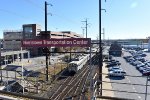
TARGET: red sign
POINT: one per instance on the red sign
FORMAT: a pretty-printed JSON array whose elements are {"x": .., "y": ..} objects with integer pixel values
[{"x": 69, "y": 42}]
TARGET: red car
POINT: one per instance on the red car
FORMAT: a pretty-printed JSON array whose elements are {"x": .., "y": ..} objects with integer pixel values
[{"x": 146, "y": 73}]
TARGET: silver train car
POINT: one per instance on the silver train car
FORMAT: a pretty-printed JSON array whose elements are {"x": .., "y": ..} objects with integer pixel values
[{"x": 77, "y": 65}]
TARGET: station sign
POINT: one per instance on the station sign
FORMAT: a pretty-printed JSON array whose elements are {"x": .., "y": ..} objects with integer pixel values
[{"x": 68, "y": 42}]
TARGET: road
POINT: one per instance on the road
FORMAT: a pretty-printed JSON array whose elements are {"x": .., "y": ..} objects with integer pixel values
[{"x": 131, "y": 71}]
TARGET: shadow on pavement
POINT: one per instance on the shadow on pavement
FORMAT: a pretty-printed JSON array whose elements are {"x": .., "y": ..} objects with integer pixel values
[{"x": 115, "y": 78}]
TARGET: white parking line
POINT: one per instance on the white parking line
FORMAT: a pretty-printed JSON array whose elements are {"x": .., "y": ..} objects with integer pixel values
[
  {"x": 139, "y": 97},
  {"x": 134, "y": 89}
]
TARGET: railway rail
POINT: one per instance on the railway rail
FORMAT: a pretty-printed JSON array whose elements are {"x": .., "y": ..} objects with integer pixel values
[{"x": 70, "y": 85}]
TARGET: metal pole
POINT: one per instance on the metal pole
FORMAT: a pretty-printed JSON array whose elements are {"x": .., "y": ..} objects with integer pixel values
[
  {"x": 45, "y": 16},
  {"x": 45, "y": 37},
  {"x": 146, "y": 88},
  {"x": 7, "y": 80},
  {"x": 91, "y": 79},
  {"x": 100, "y": 49},
  {"x": 22, "y": 71},
  {"x": 70, "y": 55},
  {"x": 103, "y": 34},
  {"x": 0, "y": 62},
  {"x": 83, "y": 32},
  {"x": 86, "y": 27}
]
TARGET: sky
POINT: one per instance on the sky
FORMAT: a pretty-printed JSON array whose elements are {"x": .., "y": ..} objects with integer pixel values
[{"x": 123, "y": 19}]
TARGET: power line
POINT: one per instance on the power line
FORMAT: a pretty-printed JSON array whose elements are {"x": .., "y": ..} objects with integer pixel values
[
  {"x": 13, "y": 13},
  {"x": 66, "y": 19},
  {"x": 34, "y": 4},
  {"x": 54, "y": 14},
  {"x": 17, "y": 14}
]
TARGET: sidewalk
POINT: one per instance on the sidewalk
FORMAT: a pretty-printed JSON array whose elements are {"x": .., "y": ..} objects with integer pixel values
[{"x": 106, "y": 85}]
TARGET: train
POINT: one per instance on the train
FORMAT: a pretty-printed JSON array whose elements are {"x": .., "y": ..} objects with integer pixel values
[{"x": 75, "y": 66}]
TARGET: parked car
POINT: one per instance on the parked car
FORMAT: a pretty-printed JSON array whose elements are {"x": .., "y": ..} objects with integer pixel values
[
  {"x": 143, "y": 55},
  {"x": 117, "y": 73},
  {"x": 136, "y": 63},
  {"x": 144, "y": 69},
  {"x": 113, "y": 64},
  {"x": 146, "y": 73},
  {"x": 141, "y": 69},
  {"x": 140, "y": 65},
  {"x": 147, "y": 63},
  {"x": 114, "y": 68}
]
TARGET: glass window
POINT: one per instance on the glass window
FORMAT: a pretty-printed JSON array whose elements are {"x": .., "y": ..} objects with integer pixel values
[{"x": 28, "y": 29}]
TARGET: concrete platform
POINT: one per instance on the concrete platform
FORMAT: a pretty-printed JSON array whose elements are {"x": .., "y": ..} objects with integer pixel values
[{"x": 106, "y": 85}]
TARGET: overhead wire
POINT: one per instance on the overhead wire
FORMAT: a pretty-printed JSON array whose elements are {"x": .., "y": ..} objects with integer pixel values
[
  {"x": 13, "y": 13},
  {"x": 34, "y": 4},
  {"x": 53, "y": 14},
  {"x": 39, "y": 7}
]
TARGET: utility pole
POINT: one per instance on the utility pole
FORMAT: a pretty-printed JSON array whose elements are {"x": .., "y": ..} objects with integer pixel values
[
  {"x": 46, "y": 47},
  {"x": 100, "y": 46},
  {"x": 46, "y": 16},
  {"x": 103, "y": 34},
  {"x": 0, "y": 61},
  {"x": 83, "y": 31},
  {"x": 86, "y": 24},
  {"x": 100, "y": 49},
  {"x": 47, "y": 36}
]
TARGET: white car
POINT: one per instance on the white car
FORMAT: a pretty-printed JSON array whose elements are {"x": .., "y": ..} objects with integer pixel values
[
  {"x": 117, "y": 73},
  {"x": 114, "y": 68}
]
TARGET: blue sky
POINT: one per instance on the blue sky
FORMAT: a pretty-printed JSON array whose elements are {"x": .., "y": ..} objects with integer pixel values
[{"x": 123, "y": 18}]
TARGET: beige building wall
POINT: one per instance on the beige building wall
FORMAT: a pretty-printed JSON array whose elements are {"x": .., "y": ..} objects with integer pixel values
[
  {"x": 64, "y": 34},
  {"x": 12, "y": 40}
]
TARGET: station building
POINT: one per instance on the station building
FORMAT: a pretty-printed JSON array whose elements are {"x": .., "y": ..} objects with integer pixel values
[{"x": 12, "y": 38}]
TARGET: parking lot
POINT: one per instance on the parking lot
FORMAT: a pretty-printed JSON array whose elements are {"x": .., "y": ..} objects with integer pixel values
[{"x": 133, "y": 84}]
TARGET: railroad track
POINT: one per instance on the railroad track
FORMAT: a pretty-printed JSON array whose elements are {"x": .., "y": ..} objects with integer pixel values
[
  {"x": 76, "y": 89},
  {"x": 79, "y": 92},
  {"x": 68, "y": 88}
]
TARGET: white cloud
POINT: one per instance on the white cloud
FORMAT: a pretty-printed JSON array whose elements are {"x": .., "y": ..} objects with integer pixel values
[{"x": 134, "y": 5}]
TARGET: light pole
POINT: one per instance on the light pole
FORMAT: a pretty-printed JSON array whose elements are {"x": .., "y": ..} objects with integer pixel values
[{"x": 100, "y": 47}]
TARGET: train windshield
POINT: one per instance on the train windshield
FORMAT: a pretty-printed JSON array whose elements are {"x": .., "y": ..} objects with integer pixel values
[{"x": 72, "y": 65}]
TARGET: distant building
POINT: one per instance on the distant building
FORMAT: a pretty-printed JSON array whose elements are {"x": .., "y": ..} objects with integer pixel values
[
  {"x": 1, "y": 43},
  {"x": 12, "y": 39},
  {"x": 31, "y": 31},
  {"x": 115, "y": 49},
  {"x": 62, "y": 34}
]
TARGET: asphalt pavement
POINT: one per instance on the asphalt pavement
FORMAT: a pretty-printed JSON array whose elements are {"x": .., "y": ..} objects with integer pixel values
[{"x": 130, "y": 90}]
